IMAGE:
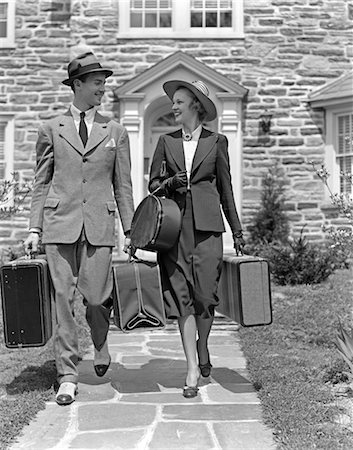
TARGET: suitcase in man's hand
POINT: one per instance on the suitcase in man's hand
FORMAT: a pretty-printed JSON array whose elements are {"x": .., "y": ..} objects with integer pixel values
[
  {"x": 138, "y": 300},
  {"x": 26, "y": 302},
  {"x": 244, "y": 290}
]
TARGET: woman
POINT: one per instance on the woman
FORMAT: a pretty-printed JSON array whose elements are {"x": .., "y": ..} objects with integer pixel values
[{"x": 191, "y": 166}]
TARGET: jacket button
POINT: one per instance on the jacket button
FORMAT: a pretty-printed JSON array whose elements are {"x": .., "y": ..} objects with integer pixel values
[
  {"x": 84, "y": 159},
  {"x": 84, "y": 200},
  {"x": 84, "y": 180}
]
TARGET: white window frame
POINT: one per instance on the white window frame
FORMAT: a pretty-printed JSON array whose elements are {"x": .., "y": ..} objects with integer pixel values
[
  {"x": 331, "y": 156},
  {"x": 9, "y": 40},
  {"x": 181, "y": 28},
  {"x": 9, "y": 147}
]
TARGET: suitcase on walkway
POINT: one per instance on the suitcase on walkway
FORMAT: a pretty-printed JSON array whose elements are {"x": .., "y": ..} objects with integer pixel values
[
  {"x": 26, "y": 302},
  {"x": 138, "y": 300},
  {"x": 244, "y": 290}
]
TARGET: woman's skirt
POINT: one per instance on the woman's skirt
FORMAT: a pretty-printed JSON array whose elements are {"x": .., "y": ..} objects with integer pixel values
[{"x": 190, "y": 271}]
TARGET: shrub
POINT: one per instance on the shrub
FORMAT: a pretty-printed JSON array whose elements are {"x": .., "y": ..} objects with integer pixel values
[
  {"x": 270, "y": 223},
  {"x": 302, "y": 262}
]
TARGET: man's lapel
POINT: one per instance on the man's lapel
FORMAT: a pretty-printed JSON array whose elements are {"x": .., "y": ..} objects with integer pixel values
[
  {"x": 98, "y": 133},
  {"x": 205, "y": 145},
  {"x": 68, "y": 131}
]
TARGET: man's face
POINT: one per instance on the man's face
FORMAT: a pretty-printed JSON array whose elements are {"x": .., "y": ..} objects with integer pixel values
[{"x": 90, "y": 92}]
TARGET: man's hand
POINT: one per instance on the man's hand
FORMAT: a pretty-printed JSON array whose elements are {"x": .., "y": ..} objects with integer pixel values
[
  {"x": 128, "y": 247},
  {"x": 31, "y": 243}
]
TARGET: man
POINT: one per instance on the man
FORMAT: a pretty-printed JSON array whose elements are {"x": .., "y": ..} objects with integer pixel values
[{"x": 82, "y": 173}]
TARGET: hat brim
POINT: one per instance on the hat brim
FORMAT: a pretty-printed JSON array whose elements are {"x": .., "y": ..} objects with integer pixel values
[
  {"x": 171, "y": 86},
  {"x": 106, "y": 72}
]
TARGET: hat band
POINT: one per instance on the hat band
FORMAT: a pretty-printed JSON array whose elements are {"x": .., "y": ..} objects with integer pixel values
[{"x": 85, "y": 69}]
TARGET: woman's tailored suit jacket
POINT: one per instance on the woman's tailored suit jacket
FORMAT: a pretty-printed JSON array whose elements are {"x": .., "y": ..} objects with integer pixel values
[
  {"x": 210, "y": 179},
  {"x": 78, "y": 186}
]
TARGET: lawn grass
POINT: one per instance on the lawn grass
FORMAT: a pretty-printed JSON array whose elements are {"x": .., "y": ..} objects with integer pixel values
[
  {"x": 293, "y": 364},
  {"x": 27, "y": 380}
]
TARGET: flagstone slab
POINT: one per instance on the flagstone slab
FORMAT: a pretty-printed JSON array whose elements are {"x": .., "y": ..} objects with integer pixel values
[
  {"x": 117, "y": 338},
  {"x": 95, "y": 392},
  {"x": 218, "y": 394},
  {"x": 114, "y": 415},
  {"x": 108, "y": 440},
  {"x": 227, "y": 412},
  {"x": 244, "y": 436},
  {"x": 44, "y": 432},
  {"x": 162, "y": 397},
  {"x": 183, "y": 435}
]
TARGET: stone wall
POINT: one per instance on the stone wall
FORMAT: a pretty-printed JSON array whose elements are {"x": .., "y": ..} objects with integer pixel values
[{"x": 290, "y": 48}]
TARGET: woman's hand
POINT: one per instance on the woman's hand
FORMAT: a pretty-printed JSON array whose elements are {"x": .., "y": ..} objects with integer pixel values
[
  {"x": 176, "y": 181},
  {"x": 239, "y": 243}
]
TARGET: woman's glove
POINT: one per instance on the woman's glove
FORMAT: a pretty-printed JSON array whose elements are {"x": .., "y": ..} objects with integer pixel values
[
  {"x": 176, "y": 181},
  {"x": 239, "y": 243}
]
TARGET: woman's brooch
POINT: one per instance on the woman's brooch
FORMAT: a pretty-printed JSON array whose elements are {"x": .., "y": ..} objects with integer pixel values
[{"x": 187, "y": 136}]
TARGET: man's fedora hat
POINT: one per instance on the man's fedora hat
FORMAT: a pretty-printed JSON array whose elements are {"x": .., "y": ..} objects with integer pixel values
[
  {"x": 199, "y": 89},
  {"x": 83, "y": 64}
]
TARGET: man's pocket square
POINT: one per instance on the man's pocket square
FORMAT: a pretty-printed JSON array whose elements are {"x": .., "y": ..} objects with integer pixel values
[{"x": 111, "y": 143}]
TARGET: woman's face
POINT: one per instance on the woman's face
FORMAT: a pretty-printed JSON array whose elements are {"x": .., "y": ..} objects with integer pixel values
[{"x": 182, "y": 101}]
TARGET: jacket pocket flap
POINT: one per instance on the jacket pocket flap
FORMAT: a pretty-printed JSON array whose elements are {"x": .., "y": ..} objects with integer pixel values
[
  {"x": 51, "y": 202},
  {"x": 111, "y": 206}
]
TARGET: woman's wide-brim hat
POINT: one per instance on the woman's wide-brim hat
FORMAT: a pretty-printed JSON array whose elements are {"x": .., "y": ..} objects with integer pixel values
[
  {"x": 199, "y": 89},
  {"x": 82, "y": 65}
]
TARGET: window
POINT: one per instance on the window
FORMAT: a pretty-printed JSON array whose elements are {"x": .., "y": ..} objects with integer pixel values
[
  {"x": 151, "y": 13},
  {"x": 7, "y": 23},
  {"x": 344, "y": 154},
  {"x": 180, "y": 19},
  {"x": 211, "y": 13}
]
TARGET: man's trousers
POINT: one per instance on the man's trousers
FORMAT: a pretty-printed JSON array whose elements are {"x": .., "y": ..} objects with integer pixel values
[{"x": 88, "y": 269}]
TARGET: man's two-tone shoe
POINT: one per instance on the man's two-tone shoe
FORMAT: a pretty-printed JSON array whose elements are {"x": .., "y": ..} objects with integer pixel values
[{"x": 66, "y": 393}]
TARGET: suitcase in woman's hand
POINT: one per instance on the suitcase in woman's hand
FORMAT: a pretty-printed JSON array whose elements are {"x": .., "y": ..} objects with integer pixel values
[
  {"x": 138, "y": 300},
  {"x": 26, "y": 302},
  {"x": 244, "y": 290}
]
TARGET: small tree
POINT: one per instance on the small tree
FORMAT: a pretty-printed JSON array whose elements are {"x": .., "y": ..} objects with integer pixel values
[
  {"x": 13, "y": 193},
  {"x": 270, "y": 222}
]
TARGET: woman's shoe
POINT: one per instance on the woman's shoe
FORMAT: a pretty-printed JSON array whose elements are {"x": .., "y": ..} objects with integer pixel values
[
  {"x": 190, "y": 391},
  {"x": 204, "y": 368}
]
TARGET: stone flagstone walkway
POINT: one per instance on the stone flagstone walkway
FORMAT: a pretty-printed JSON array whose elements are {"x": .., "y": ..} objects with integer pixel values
[{"x": 138, "y": 403}]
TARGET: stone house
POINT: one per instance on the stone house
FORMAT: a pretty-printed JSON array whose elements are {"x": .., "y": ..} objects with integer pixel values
[{"x": 279, "y": 72}]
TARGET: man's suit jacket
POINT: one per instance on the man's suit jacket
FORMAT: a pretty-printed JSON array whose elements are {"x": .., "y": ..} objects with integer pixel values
[
  {"x": 76, "y": 186},
  {"x": 210, "y": 179}
]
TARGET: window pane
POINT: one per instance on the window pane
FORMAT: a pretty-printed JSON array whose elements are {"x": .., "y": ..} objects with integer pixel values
[
  {"x": 225, "y": 4},
  {"x": 3, "y": 29},
  {"x": 151, "y": 4},
  {"x": 136, "y": 4},
  {"x": 151, "y": 20},
  {"x": 165, "y": 4},
  {"x": 165, "y": 20},
  {"x": 226, "y": 19},
  {"x": 136, "y": 20},
  {"x": 211, "y": 4},
  {"x": 196, "y": 4},
  {"x": 211, "y": 19},
  {"x": 3, "y": 11},
  {"x": 196, "y": 19}
]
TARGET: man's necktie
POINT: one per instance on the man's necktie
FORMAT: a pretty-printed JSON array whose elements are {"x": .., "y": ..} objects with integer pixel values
[{"x": 83, "y": 129}]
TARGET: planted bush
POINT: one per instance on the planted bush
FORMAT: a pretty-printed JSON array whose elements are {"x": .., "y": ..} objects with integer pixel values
[
  {"x": 302, "y": 262},
  {"x": 292, "y": 261}
]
